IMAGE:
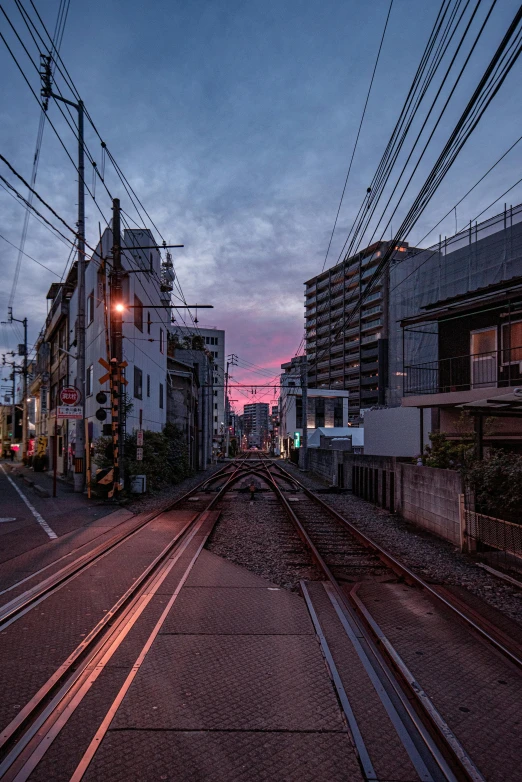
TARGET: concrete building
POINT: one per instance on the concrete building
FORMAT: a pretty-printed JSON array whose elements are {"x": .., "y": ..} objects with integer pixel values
[
  {"x": 214, "y": 341},
  {"x": 256, "y": 424},
  {"x": 326, "y": 407},
  {"x": 190, "y": 401},
  {"x": 146, "y": 293},
  {"x": 355, "y": 357},
  {"x": 459, "y": 314}
]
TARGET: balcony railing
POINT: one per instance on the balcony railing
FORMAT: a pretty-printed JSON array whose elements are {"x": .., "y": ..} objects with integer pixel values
[{"x": 495, "y": 369}]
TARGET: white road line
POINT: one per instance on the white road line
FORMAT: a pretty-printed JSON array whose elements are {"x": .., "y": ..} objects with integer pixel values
[{"x": 41, "y": 521}]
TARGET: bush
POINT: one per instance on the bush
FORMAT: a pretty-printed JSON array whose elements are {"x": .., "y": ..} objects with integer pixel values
[
  {"x": 447, "y": 454},
  {"x": 165, "y": 457},
  {"x": 497, "y": 485}
]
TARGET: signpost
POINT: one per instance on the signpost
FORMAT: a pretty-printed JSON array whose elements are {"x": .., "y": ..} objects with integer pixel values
[{"x": 70, "y": 408}]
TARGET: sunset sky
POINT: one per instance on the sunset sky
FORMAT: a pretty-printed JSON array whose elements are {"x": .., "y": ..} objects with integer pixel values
[{"x": 235, "y": 121}]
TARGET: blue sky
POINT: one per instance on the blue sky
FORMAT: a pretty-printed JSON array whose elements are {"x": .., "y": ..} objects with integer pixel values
[{"x": 235, "y": 121}]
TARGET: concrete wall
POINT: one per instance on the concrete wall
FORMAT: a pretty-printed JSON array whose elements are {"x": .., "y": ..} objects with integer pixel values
[
  {"x": 395, "y": 431},
  {"x": 429, "y": 497},
  {"x": 426, "y": 496}
]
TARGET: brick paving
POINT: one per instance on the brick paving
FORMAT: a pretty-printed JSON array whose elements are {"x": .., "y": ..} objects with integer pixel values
[
  {"x": 233, "y": 687},
  {"x": 38, "y": 642},
  {"x": 477, "y": 691}
]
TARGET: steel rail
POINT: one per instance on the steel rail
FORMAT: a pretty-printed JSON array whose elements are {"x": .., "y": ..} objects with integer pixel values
[
  {"x": 403, "y": 571},
  {"x": 51, "y": 700},
  {"x": 20, "y": 605},
  {"x": 445, "y": 741}
]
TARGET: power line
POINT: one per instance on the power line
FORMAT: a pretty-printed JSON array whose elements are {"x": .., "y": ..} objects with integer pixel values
[
  {"x": 358, "y": 134},
  {"x": 29, "y": 256}
]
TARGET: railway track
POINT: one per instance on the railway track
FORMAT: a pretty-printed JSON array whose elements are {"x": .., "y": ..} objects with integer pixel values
[
  {"x": 346, "y": 558},
  {"x": 25, "y": 739}
]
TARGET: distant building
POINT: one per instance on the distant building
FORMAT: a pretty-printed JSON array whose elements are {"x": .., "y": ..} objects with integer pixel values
[
  {"x": 326, "y": 407},
  {"x": 256, "y": 424},
  {"x": 214, "y": 340}
]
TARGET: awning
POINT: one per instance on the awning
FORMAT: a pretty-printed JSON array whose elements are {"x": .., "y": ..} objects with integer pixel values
[{"x": 509, "y": 405}]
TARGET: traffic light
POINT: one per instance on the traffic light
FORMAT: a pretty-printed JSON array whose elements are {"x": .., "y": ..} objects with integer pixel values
[{"x": 101, "y": 413}]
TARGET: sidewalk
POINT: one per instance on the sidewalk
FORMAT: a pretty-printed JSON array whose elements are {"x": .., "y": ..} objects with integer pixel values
[{"x": 27, "y": 512}]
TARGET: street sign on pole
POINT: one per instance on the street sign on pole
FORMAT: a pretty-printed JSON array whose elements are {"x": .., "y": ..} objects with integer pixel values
[
  {"x": 139, "y": 454},
  {"x": 68, "y": 411},
  {"x": 70, "y": 395},
  {"x": 139, "y": 438}
]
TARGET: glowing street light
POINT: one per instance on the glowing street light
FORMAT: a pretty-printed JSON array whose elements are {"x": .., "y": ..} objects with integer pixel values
[{"x": 119, "y": 307}]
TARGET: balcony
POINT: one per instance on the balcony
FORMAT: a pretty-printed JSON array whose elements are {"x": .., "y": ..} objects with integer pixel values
[{"x": 495, "y": 369}]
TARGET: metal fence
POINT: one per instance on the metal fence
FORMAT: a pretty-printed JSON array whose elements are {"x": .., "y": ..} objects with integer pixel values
[
  {"x": 497, "y": 541},
  {"x": 494, "y": 369}
]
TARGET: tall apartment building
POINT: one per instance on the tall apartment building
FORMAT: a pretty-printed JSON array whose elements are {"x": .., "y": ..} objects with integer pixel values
[
  {"x": 215, "y": 344},
  {"x": 255, "y": 423},
  {"x": 353, "y": 358}
]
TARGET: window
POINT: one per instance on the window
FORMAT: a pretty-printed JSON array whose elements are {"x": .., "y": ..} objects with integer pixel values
[
  {"x": 512, "y": 342},
  {"x": 215, "y": 393},
  {"x": 138, "y": 314},
  {"x": 483, "y": 349},
  {"x": 215, "y": 405},
  {"x": 207, "y": 340},
  {"x": 319, "y": 412},
  {"x": 138, "y": 383},
  {"x": 298, "y": 412},
  {"x": 90, "y": 380},
  {"x": 215, "y": 419},
  {"x": 161, "y": 396},
  {"x": 162, "y": 341},
  {"x": 90, "y": 308},
  {"x": 148, "y": 385},
  {"x": 148, "y": 322},
  {"x": 338, "y": 412}
]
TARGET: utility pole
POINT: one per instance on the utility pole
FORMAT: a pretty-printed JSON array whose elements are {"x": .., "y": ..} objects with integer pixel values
[
  {"x": 116, "y": 308},
  {"x": 22, "y": 351},
  {"x": 13, "y": 397},
  {"x": 232, "y": 361},
  {"x": 304, "y": 397},
  {"x": 46, "y": 93}
]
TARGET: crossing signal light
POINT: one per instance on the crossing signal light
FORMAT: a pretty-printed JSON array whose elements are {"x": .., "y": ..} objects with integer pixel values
[{"x": 101, "y": 413}]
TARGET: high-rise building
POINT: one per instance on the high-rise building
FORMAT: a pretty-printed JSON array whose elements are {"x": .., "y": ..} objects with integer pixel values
[
  {"x": 348, "y": 350},
  {"x": 255, "y": 424}
]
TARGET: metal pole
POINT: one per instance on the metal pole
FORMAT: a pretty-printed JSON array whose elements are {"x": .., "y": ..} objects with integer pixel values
[
  {"x": 79, "y": 449},
  {"x": 24, "y": 406},
  {"x": 227, "y": 433},
  {"x": 13, "y": 410},
  {"x": 55, "y": 452},
  {"x": 304, "y": 396}
]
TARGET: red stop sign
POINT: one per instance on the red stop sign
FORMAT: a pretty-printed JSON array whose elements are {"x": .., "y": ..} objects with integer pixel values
[{"x": 69, "y": 395}]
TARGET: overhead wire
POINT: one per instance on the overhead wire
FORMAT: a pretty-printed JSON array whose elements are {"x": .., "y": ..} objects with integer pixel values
[{"x": 358, "y": 133}]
